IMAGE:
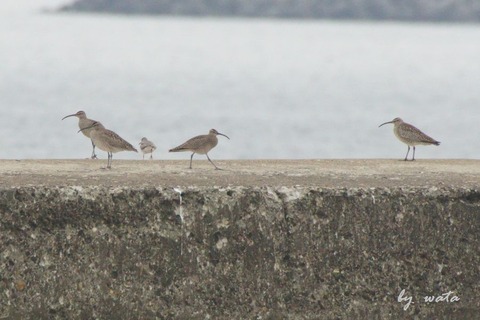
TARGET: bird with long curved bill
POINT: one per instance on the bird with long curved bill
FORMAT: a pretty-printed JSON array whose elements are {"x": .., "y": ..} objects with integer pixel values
[
  {"x": 83, "y": 123},
  {"x": 200, "y": 144},
  {"x": 108, "y": 141},
  {"x": 410, "y": 135}
]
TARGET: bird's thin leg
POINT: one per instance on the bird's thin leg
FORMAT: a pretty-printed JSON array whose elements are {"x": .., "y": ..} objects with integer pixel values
[
  {"x": 413, "y": 158},
  {"x": 109, "y": 163},
  {"x": 191, "y": 158},
  {"x": 94, "y": 156},
  {"x": 407, "y": 153},
  {"x": 216, "y": 168},
  {"x": 151, "y": 156},
  {"x": 144, "y": 156}
]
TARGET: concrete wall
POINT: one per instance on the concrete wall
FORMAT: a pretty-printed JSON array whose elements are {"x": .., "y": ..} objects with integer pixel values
[{"x": 238, "y": 253}]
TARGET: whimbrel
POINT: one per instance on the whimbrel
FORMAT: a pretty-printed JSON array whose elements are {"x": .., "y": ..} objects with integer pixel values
[
  {"x": 84, "y": 122},
  {"x": 410, "y": 135},
  {"x": 201, "y": 145},
  {"x": 108, "y": 141},
  {"x": 147, "y": 146}
]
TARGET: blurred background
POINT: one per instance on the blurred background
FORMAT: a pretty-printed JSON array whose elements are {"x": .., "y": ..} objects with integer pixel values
[{"x": 290, "y": 82}]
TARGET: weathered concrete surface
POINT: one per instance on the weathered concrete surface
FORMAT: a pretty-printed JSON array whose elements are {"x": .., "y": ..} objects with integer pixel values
[
  {"x": 320, "y": 173},
  {"x": 326, "y": 239}
]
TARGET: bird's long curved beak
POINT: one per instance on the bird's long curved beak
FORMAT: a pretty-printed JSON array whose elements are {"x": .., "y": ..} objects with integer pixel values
[
  {"x": 221, "y": 134},
  {"x": 385, "y": 123},
  {"x": 70, "y": 115}
]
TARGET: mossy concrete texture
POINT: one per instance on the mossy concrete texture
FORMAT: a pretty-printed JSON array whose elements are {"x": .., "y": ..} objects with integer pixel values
[{"x": 270, "y": 239}]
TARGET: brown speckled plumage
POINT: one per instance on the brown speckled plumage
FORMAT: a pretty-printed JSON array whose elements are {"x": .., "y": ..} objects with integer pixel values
[
  {"x": 83, "y": 123},
  {"x": 410, "y": 135},
  {"x": 108, "y": 141},
  {"x": 200, "y": 144}
]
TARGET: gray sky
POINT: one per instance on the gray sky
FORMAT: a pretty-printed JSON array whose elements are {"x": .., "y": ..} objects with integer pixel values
[{"x": 17, "y": 6}]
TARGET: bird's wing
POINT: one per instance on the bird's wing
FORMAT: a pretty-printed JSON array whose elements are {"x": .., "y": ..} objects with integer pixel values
[
  {"x": 117, "y": 141},
  {"x": 193, "y": 143},
  {"x": 418, "y": 134}
]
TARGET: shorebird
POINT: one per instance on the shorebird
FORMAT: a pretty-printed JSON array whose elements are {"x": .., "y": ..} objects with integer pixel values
[
  {"x": 201, "y": 145},
  {"x": 147, "y": 146},
  {"x": 108, "y": 141},
  {"x": 410, "y": 135},
  {"x": 84, "y": 122}
]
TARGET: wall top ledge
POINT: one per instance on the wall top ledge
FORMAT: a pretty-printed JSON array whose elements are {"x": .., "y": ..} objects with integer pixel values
[{"x": 331, "y": 173}]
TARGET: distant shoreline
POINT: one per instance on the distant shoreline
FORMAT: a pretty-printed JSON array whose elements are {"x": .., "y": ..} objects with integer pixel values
[
  {"x": 232, "y": 17},
  {"x": 365, "y": 10}
]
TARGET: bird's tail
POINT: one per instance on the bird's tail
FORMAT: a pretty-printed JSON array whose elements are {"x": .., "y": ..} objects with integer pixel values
[
  {"x": 131, "y": 148},
  {"x": 177, "y": 149},
  {"x": 429, "y": 140}
]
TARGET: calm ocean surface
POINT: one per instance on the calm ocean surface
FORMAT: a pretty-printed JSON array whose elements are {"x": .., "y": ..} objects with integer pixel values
[{"x": 279, "y": 88}]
